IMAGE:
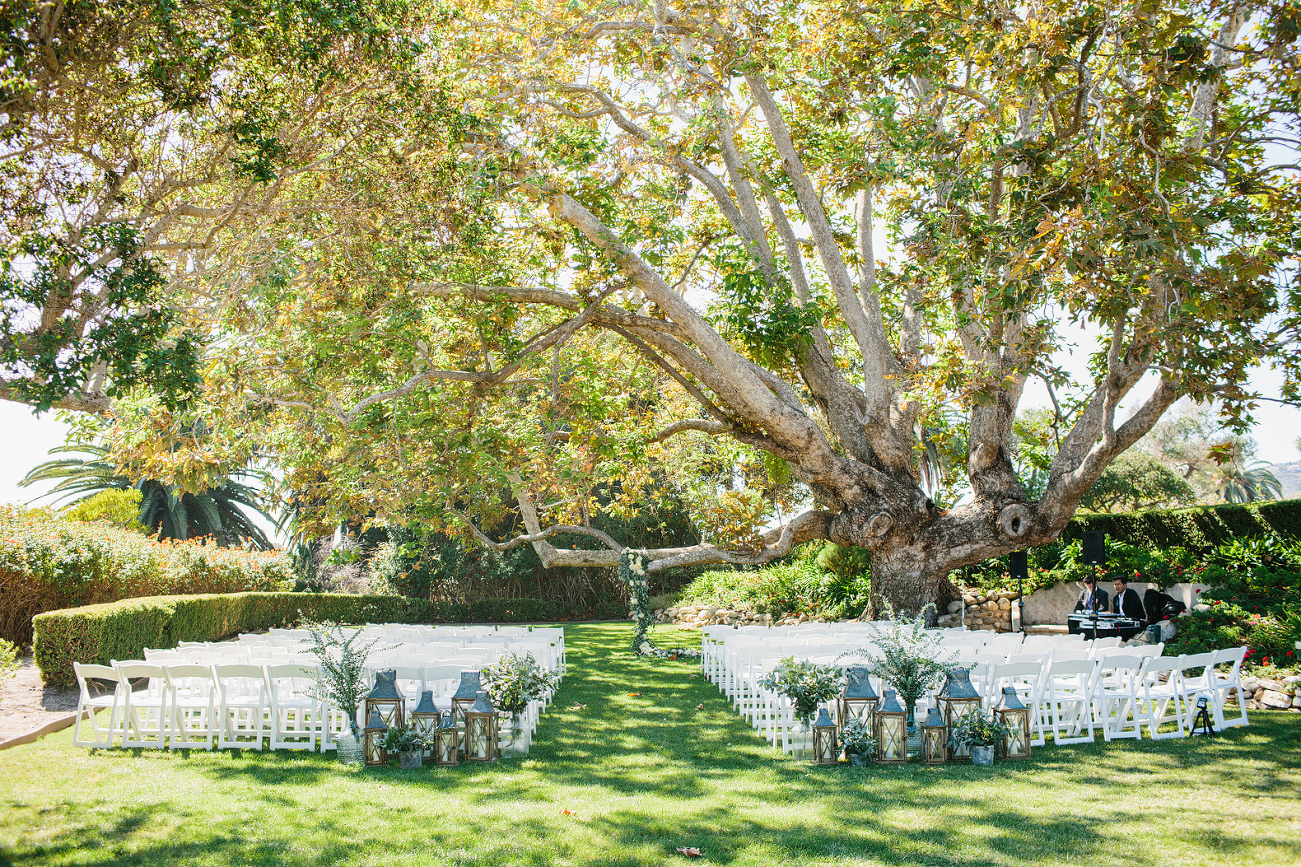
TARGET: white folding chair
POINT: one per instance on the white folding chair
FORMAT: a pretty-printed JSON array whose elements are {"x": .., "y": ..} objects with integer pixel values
[
  {"x": 145, "y": 709},
  {"x": 293, "y": 709},
  {"x": 1196, "y": 672},
  {"x": 1222, "y": 684},
  {"x": 89, "y": 732},
  {"x": 192, "y": 701},
  {"x": 242, "y": 706},
  {"x": 1068, "y": 697},
  {"x": 1115, "y": 696},
  {"x": 1162, "y": 693},
  {"x": 1027, "y": 677}
]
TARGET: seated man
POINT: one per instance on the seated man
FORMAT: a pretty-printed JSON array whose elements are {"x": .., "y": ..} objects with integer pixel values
[
  {"x": 1126, "y": 601},
  {"x": 1093, "y": 598}
]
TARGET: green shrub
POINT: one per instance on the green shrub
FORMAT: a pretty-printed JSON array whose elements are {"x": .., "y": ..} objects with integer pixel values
[
  {"x": 797, "y": 585},
  {"x": 48, "y": 563},
  {"x": 1199, "y": 529},
  {"x": 121, "y": 508},
  {"x": 1224, "y": 624},
  {"x": 8, "y": 659}
]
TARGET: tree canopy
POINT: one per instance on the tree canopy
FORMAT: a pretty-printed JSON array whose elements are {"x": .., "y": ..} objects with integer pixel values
[{"x": 497, "y": 251}]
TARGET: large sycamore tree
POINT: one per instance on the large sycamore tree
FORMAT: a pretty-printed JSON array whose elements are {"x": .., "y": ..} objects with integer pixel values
[{"x": 551, "y": 259}]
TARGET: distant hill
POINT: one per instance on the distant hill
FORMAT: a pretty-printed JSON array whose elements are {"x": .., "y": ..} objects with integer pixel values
[{"x": 1289, "y": 476}]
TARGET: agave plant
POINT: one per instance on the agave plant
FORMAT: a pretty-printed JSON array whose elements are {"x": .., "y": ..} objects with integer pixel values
[{"x": 217, "y": 512}]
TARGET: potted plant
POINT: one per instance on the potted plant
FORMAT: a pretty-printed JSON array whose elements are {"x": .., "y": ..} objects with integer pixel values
[
  {"x": 979, "y": 731},
  {"x": 858, "y": 741},
  {"x": 907, "y": 656},
  {"x": 409, "y": 744},
  {"x": 341, "y": 680},
  {"x": 806, "y": 684},
  {"x": 511, "y": 683}
]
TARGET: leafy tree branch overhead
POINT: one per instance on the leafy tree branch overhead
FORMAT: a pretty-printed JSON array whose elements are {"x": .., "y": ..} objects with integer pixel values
[{"x": 538, "y": 251}]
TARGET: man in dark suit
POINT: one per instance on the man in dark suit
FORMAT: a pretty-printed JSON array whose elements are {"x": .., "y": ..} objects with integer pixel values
[
  {"x": 1126, "y": 601},
  {"x": 1093, "y": 598}
]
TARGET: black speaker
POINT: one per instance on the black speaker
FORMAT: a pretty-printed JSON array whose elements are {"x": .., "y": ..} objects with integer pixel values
[
  {"x": 1018, "y": 565},
  {"x": 1094, "y": 551}
]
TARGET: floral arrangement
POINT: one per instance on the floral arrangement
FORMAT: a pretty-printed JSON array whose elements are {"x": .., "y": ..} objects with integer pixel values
[
  {"x": 857, "y": 738},
  {"x": 806, "y": 684},
  {"x": 632, "y": 569},
  {"x": 513, "y": 681},
  {"x": 401, "y": 739},
  {"x": 341, "y": 677},
  {"x": 976, "y": 728},
  {"x": 910, "y": 656}
]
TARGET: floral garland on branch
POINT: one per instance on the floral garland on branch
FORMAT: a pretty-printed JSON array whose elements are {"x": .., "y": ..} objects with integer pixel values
[{"x": 632, "y": 569}]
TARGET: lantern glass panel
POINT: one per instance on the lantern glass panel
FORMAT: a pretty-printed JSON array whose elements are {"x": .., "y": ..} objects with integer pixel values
[
  {"x": 373, "y": 736},
  {"x": 892, "y": 744},
  {"x": 481, "y": 730},
  {"x": 447, "y": 741},
  {"x": 935, "y": 739},
  {"x": 824, "y": 740},
  {"x": 1016, "y": 716}
]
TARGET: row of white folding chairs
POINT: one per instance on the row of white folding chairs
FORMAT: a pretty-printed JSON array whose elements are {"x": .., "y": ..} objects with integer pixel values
[
  {"x": 1117, "y": 691},
  {"x": 227, "y": 705},
  {"x": 727, "y": 659},
  {"x": 1123, "y": 694},
  {"x": 186, "y": 705},
  {"x": 715, "y": 640}
]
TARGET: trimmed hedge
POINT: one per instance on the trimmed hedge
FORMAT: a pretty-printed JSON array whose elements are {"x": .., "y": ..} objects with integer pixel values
[
  {"x": 1197, "y": 529},
  {"x": 48, "y": 563},
  {"x": 123, "y": 629}
]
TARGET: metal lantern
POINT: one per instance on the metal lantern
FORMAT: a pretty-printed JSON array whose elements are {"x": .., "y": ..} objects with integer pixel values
[
  {"x": 935, "y": 739},
  {"x": 481, "y": 730},
  {"x": 857, "y": 700},
  {"x": 956, "y": 698},
  {"x": 891, "y": 730},
  {"x": 1016, "y": 716},
  {"x": 386, "y": 699},
  {"x": 824, "y": 739},
  {"x": 466, "y": 691},
  {"x": 425, "y": 719},
  {"x": 374, "y": 733},
  {"x": 446, "y": 741}
]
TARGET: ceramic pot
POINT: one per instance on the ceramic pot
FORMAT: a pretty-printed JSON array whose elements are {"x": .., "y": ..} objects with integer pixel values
[
  {"x": 410, "y": 759},
  {"x": 982, "y": 755}
]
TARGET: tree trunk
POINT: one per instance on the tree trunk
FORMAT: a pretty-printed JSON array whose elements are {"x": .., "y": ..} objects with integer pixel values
[{"x": 907, "y": 580}]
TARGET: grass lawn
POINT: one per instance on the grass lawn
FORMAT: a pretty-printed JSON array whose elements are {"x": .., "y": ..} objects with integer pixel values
[{"x": 641, "y": 770}]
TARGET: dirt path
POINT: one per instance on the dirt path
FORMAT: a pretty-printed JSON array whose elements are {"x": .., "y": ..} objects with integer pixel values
[{"x": 26, "y": 704}]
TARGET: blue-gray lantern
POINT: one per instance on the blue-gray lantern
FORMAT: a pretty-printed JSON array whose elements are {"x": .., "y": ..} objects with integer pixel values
[{"x": 386, "y": 699}]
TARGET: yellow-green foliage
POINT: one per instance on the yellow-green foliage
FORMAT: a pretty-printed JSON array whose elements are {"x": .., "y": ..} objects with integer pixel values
[
  {"x": 47, "y": 563},
  {"x": 123, "y": 629},
  {"x": 121, "y": 508}
]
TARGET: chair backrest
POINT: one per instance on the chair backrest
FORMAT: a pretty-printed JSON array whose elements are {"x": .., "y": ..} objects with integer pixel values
[
  {"x": 1070, "y": 668},
  {"x": 1070, "y": 652},
  {"x": 1232, "y": 656},
  {"x": 190, "y": 679},
  {"x": 239, "y": 678},
  {"x": 86, "y": 672},
  {"x": 289, "y": 680},
  {"x": 1105, "y": 643},
  {"x": 130, "y": 670}
]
